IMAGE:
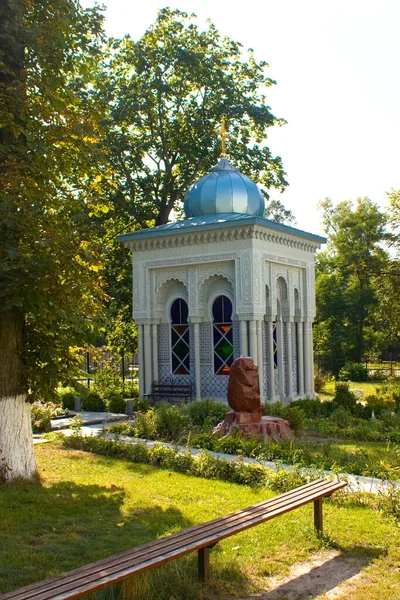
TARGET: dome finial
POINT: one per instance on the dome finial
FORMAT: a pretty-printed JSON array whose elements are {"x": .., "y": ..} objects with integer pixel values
[{"x": 224, "y": 136}]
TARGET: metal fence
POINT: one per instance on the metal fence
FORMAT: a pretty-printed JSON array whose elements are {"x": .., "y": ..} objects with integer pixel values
[
  {"x": 93, "y": 361},
  {"x": 387, "y": 366}
]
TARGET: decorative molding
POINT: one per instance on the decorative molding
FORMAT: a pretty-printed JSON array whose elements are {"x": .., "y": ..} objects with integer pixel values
[
  {"x": 246, "y": 279},
  {"x": 190, "y": 260},
  {"x": 249, "y": 232},
  {"x": 273, "y": 258}
]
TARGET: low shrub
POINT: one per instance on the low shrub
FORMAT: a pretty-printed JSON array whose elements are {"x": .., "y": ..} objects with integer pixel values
[
  {"x": 171, "y": 422},
  {"x": 67, "y": 399},
  {"x": 42, "y": 413},
  {"x": 145, "y": 425},
  {"x": 206, "y": 413},
  {"x": 379, "y": 403},
  {"x": 353, "y": 372},
  {"x": 131, "y": 389},
  {"x": 121, "y": 428},
  {"x": 93, "y": 402},
  {"x": 141, "y": 405},
  {"x": 40, "y": 417},
  {"x": 117, "y": 404},
  {"x": 291, "y": 413},
  {"x": 313, "y": 407},
  {"x": 320, "y": 381},
  {"x": 108, "y": 381},
  {"x": 203, "y": 465}
]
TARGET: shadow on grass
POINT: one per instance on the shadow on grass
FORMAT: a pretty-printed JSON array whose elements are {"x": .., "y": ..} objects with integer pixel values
[
  {"x": 46, "y": 531},
  {"x": 313, "y": 578}
]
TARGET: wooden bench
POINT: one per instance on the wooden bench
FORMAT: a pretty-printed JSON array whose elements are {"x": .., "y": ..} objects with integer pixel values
[
  {"x": 200, "y": 538},
  {"x": 168, "y": 390}
]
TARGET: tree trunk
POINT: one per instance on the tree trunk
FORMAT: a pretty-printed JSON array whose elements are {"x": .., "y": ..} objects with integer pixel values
[{"x": 17, "y": 458}]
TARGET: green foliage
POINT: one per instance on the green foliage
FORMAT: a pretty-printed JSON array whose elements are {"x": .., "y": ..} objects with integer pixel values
[
  {"x": 42, "y": 413},
  {"x": 67, "y": 399},
  {"x": 203, "y": 465},
  {"x": 206, "y": 413},
  {"x": 289, "y": 412},
  {"x": 116, "y": 404},
  {"x": 93, "y": 402},
  {"x": 141, "y": 405},
  {"x": 108, "y": 381},
  {"x": 48, "y": 264},
  {"x": 353, "y": 372},
  {"x": 380, "y": 403},
  {"x": 320, "y": 381},
  {"x": 347, "y": 281},
  {"x": 40, "y": 417}
]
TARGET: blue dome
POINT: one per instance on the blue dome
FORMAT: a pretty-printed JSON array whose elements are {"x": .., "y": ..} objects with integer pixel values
[{"x": 224, "y": 190}]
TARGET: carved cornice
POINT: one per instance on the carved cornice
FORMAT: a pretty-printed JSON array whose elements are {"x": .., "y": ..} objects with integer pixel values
[{"x": 197, "y": 238}]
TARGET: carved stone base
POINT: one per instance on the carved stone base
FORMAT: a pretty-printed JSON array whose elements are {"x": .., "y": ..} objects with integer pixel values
[{"x": 250, "y": 424}]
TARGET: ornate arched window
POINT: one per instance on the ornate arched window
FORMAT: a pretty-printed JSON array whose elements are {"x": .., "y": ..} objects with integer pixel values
[
  {"x": 222, "y": 335},
  {"x": 180, "y": 346}
]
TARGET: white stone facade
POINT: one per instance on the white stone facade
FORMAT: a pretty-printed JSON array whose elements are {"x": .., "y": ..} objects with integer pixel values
[{"x": 267, "y": 271}]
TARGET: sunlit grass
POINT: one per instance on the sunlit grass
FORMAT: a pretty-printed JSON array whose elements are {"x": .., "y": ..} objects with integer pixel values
[{"x": 88, "y": 507}]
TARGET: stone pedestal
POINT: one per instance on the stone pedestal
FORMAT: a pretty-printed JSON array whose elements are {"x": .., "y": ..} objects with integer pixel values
[{"x": 273, "y": 429}]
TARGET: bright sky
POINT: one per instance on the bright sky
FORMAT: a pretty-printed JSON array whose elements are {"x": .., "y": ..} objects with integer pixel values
[{"x": 336, "y": 63}]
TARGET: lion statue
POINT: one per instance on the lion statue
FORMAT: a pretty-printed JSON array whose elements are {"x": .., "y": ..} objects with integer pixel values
[{"x": 243, "y": 386}]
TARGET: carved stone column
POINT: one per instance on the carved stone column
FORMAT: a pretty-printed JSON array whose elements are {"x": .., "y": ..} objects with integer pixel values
[
  {"x": 281, "y": 364},
  {"x": 253, "y": 341},
  {"x": 289, "y": 360},
  {"x": 244, "y": 341},
  {"x": 308, "y": 360},
  {"x": 197, "y": 367},
  {"x": 260, "y": 346},
  {"x": 271, "y": 369},
  {"x": 154, "y": 329},
  {"x": 300, "y": 358},
  {"x": 141, "y": 360},
  {"x": 147, "y": 359}
]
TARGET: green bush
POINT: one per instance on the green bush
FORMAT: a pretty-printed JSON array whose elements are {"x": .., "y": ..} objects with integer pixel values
[
  {"x": 320, "y": 381},
  {"x": 93, "y": 402},
  {"x": 131, "y": 389},
  {"x": 313, "y": 407},
  {"x": 145, "y": 425},
  {"x": 203, "y": 465},
  {"x": 171, "y": 422},
  {"x": 108, "y": 381},
  {"x": 206, "y": 413},
  {"x": 353, "y": 372},
  {"x": 290, "y": 413},
  {"x": 141, "y": 405},
  {"x": 40, "y": 417},
  {"x": 380, "y": 403},
  {"x": 67, "y": 399},
  {"x": 117, "y": 404}
]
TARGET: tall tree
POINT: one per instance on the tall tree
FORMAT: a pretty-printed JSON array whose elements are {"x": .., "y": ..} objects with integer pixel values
[
  {"x": 49, "y": 287},
  {"x": 167, "y": 95},
  {"x": 346, "y": 294}
]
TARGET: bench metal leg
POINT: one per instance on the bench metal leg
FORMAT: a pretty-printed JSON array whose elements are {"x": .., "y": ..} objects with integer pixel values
[
  {"x": 203, "y": 561},
  {"x": 318, "y": 521}
]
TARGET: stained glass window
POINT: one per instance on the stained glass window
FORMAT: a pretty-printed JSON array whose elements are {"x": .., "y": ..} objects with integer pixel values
[
  {"x": 275, "y": 345},
  {"x": 222, "y": 335},
  {"x": 180, "y": 343}
]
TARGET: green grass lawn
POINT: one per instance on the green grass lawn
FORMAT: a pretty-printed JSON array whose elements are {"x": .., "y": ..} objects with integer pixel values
[
  {"x": 88, "y": 507},
  {"x": 368, "y": 387}
]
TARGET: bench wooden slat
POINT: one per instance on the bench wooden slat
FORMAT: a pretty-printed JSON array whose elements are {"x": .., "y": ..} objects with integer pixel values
[
  {"x": 128, "y": 553},
  {"x": 114, "y": 569}
]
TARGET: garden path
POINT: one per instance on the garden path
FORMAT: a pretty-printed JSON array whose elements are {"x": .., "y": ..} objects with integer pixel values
[{"x": 96, "y": 423}]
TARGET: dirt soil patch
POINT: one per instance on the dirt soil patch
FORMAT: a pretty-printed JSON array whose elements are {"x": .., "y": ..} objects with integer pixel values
[{"x": 328, "y": 575}]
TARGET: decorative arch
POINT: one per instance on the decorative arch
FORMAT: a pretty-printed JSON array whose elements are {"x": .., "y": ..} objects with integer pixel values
[
  {"x": 213, "y": 285},
  {"x": 180, "y": 337},
  {"x": 222, "y": 318},
  {"x": 166, "y": 292}
]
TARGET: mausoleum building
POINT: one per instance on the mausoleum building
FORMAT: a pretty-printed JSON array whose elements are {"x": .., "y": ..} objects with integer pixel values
[{"x": 221, "y": 283}]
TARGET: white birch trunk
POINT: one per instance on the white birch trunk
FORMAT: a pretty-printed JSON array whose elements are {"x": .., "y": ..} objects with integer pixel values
[{"x": 16, "y": 444}]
